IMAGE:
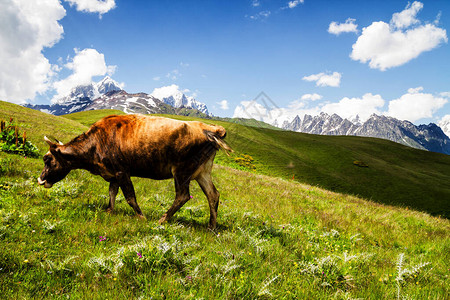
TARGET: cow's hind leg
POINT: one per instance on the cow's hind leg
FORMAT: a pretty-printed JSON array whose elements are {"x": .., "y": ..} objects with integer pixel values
[
  {"x": 182, "y": 196},
  {"x": 126, "y": 185},
  {"x": 205, "y": 182},
  {"x": 113, "y": 190}
]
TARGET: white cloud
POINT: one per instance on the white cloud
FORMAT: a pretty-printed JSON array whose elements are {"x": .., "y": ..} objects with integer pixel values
[
  {"x": 166, "y": 91},
  {"x": 261, "y": 15},
  {"x": 444, "y": 123},
  {"x": 254, "y": 110},
  {"x": 294, "y": 3},
  {"x": 223, "y": 104},
  {"x": 93, "y": 6},
  {"x": 349, "y": 108},
  {"x": 255, "y": 3},
  {"x": 407, "y": 17},
  {"x": 445, "y": 94},
  {"x": 415, "y": 105},
  {"x": 184, "y": 65},
  {"x": 415, "y": 90},
  {"x": 312, "y": 97},
  {"x": 85, "y": 65},
  {"x": 156, "y": 78},
  {"x": 385, "y": 46},
  {"x": 26, "y": 28},
  {"x": 323, "y": 79},
  {"x": 348, "y": 26}
]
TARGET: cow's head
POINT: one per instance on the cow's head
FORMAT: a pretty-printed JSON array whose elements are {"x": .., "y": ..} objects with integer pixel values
[{"x": 56, "y": 164}]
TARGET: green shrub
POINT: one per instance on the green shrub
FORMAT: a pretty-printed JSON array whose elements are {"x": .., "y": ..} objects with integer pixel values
[
  {"x": 245, "y": 161},
  {"x": 12, "y": 142}
]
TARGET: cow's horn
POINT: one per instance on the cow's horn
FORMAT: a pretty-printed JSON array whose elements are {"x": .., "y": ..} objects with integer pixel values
[{"x": 48, "y": 141}]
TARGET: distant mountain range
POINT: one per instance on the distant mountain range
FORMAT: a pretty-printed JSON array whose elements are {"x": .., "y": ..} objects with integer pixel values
[
  {"x": 108, "y": 94},
  {"x": 427, "y": 137}
]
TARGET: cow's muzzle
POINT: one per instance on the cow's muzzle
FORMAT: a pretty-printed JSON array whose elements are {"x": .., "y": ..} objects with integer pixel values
[{"x": 46, "y": 184}]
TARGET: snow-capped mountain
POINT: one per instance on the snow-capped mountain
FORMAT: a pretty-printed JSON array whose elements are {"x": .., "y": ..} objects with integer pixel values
[
  {"x": 427, "y": 137},
  {"x": 173, "y": 96},
  {"x": 128, "y": 103},
  {"x": 108, "y": 94},
  {"x": 139, "y": 103},
  {"x": 91, "y": 91},
  {"x": 79, "y": 97}
]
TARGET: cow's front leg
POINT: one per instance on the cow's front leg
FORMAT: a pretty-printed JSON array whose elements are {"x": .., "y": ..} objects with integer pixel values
[
  {"x": 113, "y": 190},
  {"x": 127, "y": 188},
  {"x": 182, "y": 196}
]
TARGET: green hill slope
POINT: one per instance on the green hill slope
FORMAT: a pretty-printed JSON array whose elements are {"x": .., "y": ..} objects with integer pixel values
[
  {"x": 37, "y": 124},
  {"x": 396, "y": 174}
]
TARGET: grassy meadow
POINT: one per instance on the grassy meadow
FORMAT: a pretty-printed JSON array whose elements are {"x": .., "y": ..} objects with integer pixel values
[{"x": 276, "y": 237}]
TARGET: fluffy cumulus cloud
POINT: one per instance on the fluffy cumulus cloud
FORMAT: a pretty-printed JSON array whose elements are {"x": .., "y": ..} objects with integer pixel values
[
  {"x": 93, "y": 6},
  {"x": 324, "y": 79},
  {"x": 26, "y": 28},
  {"x": 407, "y": 17},
  {"x": 85, "y": 65},
  {"x": 384, "y": 45},
  {"x": 349, "y": 108},
  {"x": 338, "y": 28},
  {"x": 415, "y": 105},
  {"x": 167, "y": 91},
  {"x": 258, "y": 111},
  {"x": 223, "y": 104},
  {"x": 312, "y": 97}
]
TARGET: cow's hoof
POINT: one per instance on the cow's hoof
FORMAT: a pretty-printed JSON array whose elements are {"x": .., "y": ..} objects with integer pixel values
[
  {"x": 162, "y": 220},
  {"x": 142, "y": 217}
]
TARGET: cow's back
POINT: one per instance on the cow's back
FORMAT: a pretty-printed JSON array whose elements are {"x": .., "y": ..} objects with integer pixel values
[{"x": 149, "y": 146}]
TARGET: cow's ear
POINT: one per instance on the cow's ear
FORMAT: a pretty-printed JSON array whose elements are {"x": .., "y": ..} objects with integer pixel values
[{"x": 66, "y": 152}]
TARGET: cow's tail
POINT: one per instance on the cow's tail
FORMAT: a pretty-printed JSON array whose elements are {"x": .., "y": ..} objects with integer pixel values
[{"x": 216, "y": 136}]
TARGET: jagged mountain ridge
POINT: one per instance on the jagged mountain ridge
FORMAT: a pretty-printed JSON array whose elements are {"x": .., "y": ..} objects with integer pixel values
[
  {"x": 427, "y": 137},
  {"x": 140, "y": 103},
  {"x": 108, "y": 94},
  {"x": 173, "y": 96}
]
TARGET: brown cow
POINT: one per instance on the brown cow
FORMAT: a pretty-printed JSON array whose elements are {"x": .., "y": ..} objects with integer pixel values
[{"x": 119, "y": 147}]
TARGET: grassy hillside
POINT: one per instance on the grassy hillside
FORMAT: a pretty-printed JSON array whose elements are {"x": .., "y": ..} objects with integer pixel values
[
  {"x": 37, "y": 124},
  {"x": 396, "y": 174},
  {"x": 248, "y": 122},
  {"x": 276, "y": 238}
]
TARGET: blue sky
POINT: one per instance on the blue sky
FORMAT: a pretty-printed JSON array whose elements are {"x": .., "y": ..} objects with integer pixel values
[{"x": 233, "y": 50}]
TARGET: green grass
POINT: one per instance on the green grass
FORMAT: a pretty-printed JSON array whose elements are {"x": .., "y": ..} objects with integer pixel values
[{"x": 276, "y": 238}]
